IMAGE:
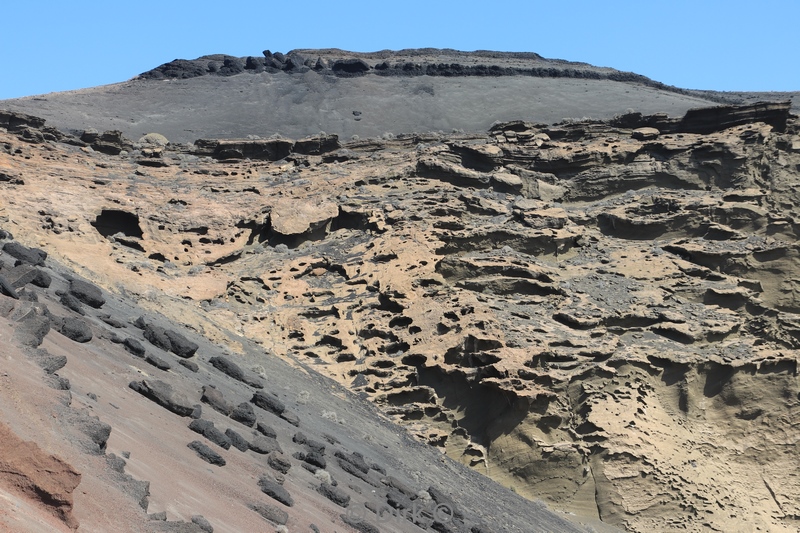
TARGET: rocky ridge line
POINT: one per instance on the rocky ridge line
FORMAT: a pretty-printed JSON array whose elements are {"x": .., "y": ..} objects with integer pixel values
[{"x": 402, "y": 63}]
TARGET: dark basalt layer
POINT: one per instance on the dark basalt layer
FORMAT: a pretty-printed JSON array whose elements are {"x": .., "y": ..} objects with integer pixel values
[
  {"x": 712, "y": 119},
  {"x": 403, "y": 63}
]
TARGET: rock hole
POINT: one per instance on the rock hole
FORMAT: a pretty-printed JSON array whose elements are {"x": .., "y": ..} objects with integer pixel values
[{"x": 112, "y": 221}]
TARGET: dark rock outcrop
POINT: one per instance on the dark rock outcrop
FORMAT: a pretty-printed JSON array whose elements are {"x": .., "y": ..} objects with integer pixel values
[
  {"x": 237, "y": 441},
  {"x": 216, "y": 400},
  {"x": 32, "y": 329},
  {"x": 207, "y": 429},
  {"x": 268, "y": 402},
  {"x": 72, "y": 303},
  {"x": 275, "y": 491},
  {"x": 157, "y": 362},
  {"x": 92, "y": 427},
  {"x": 269, "y": 150},
  {"x": 244, "y": 414},
  {"x": 87, "y": 293},
  {"x": 264, "y": 445},
  {"x": 317, "y": 145},
  {"x": 13, "y": 121},
  {"x": 271, "y": 513},
  {"x": 359, "y": 524},
  {"x": 231, "y": 66},
  {"x": 334, "y": 494},
  {"x": 157, "y": 336},
  {"x": 31, "y": 256},
  {"x": 233, "y": 370},
  {"x": 7, "y": 288},
  {"x": 134, "y": 347},
  {"x": 180, "y": 345},
  {"x": 73, "y": 328},
  {"x": 206, "y": 454},
  {"x": 23, "y": 274},
  {"x": 111, "y": 142},
  {"x": 164, "y": 395},
  {"x": 352, "y": 66},
  {"x": 279, "y": 462},
  {"x": 707, "y": 120},
  {"x": 166, "y": 339},
  {"x": 178, "y": 69}
]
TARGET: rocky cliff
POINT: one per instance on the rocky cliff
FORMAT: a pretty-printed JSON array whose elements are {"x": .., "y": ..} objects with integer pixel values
[{"x": 599, "y": 314}]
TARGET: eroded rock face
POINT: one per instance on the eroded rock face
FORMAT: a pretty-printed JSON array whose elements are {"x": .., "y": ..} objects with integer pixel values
[
  {"x": 602, "y": 317},
  {"x": 77, "y": 399},
  {"x": 290, "y": 218}
]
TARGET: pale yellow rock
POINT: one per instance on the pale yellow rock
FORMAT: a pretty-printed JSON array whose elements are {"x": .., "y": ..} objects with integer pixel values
[
  {"x": 507, "y": 179},
  {"x": 645, "y": 134},
  {"x": 549, "y": 192},
  {"x": 290, "y": 217}
]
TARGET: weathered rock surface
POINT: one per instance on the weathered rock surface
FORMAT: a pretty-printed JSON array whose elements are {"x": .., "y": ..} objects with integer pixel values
[
  {"x": 74, "y": 328},
  {"x": 80, "y": 399},
  {"x": 602, "y": 319}
]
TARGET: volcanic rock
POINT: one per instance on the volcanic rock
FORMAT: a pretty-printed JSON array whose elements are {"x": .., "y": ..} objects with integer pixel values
[
  {"x": 164, "y": 395},
  {"x": 206, "y": 454},
  {"x": 214, "y": 398},
  {"x": 268, "y": 402},
  {"x": 334, "y": 494},
  {"x": 275, "y": 491},
  {"x": 87, "y": 293},
  {"x": 233, "y": 370},
  {"x": 207, "y": 429},
  {"x": 237, "y": 441},
  {"x": 74, "y": 328},
  {"x": 31, "y": 256},
  {"x": 7, "y": 288},
  {"x": 245, "y": 414}
]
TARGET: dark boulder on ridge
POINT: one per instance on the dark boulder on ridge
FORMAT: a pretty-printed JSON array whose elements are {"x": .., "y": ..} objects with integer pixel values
[{"x": 350, "y": 66}]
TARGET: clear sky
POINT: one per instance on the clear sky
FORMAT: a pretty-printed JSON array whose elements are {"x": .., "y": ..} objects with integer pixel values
[{"x": 55, "y": 45}]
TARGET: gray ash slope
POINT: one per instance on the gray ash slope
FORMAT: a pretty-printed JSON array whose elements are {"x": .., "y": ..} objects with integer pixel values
[
  {"x": 290, "y": 423},
  {"x": 304, "y": 92}
]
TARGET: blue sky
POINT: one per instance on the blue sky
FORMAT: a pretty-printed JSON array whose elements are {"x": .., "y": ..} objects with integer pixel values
[{"x": 53, "y": 45}]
